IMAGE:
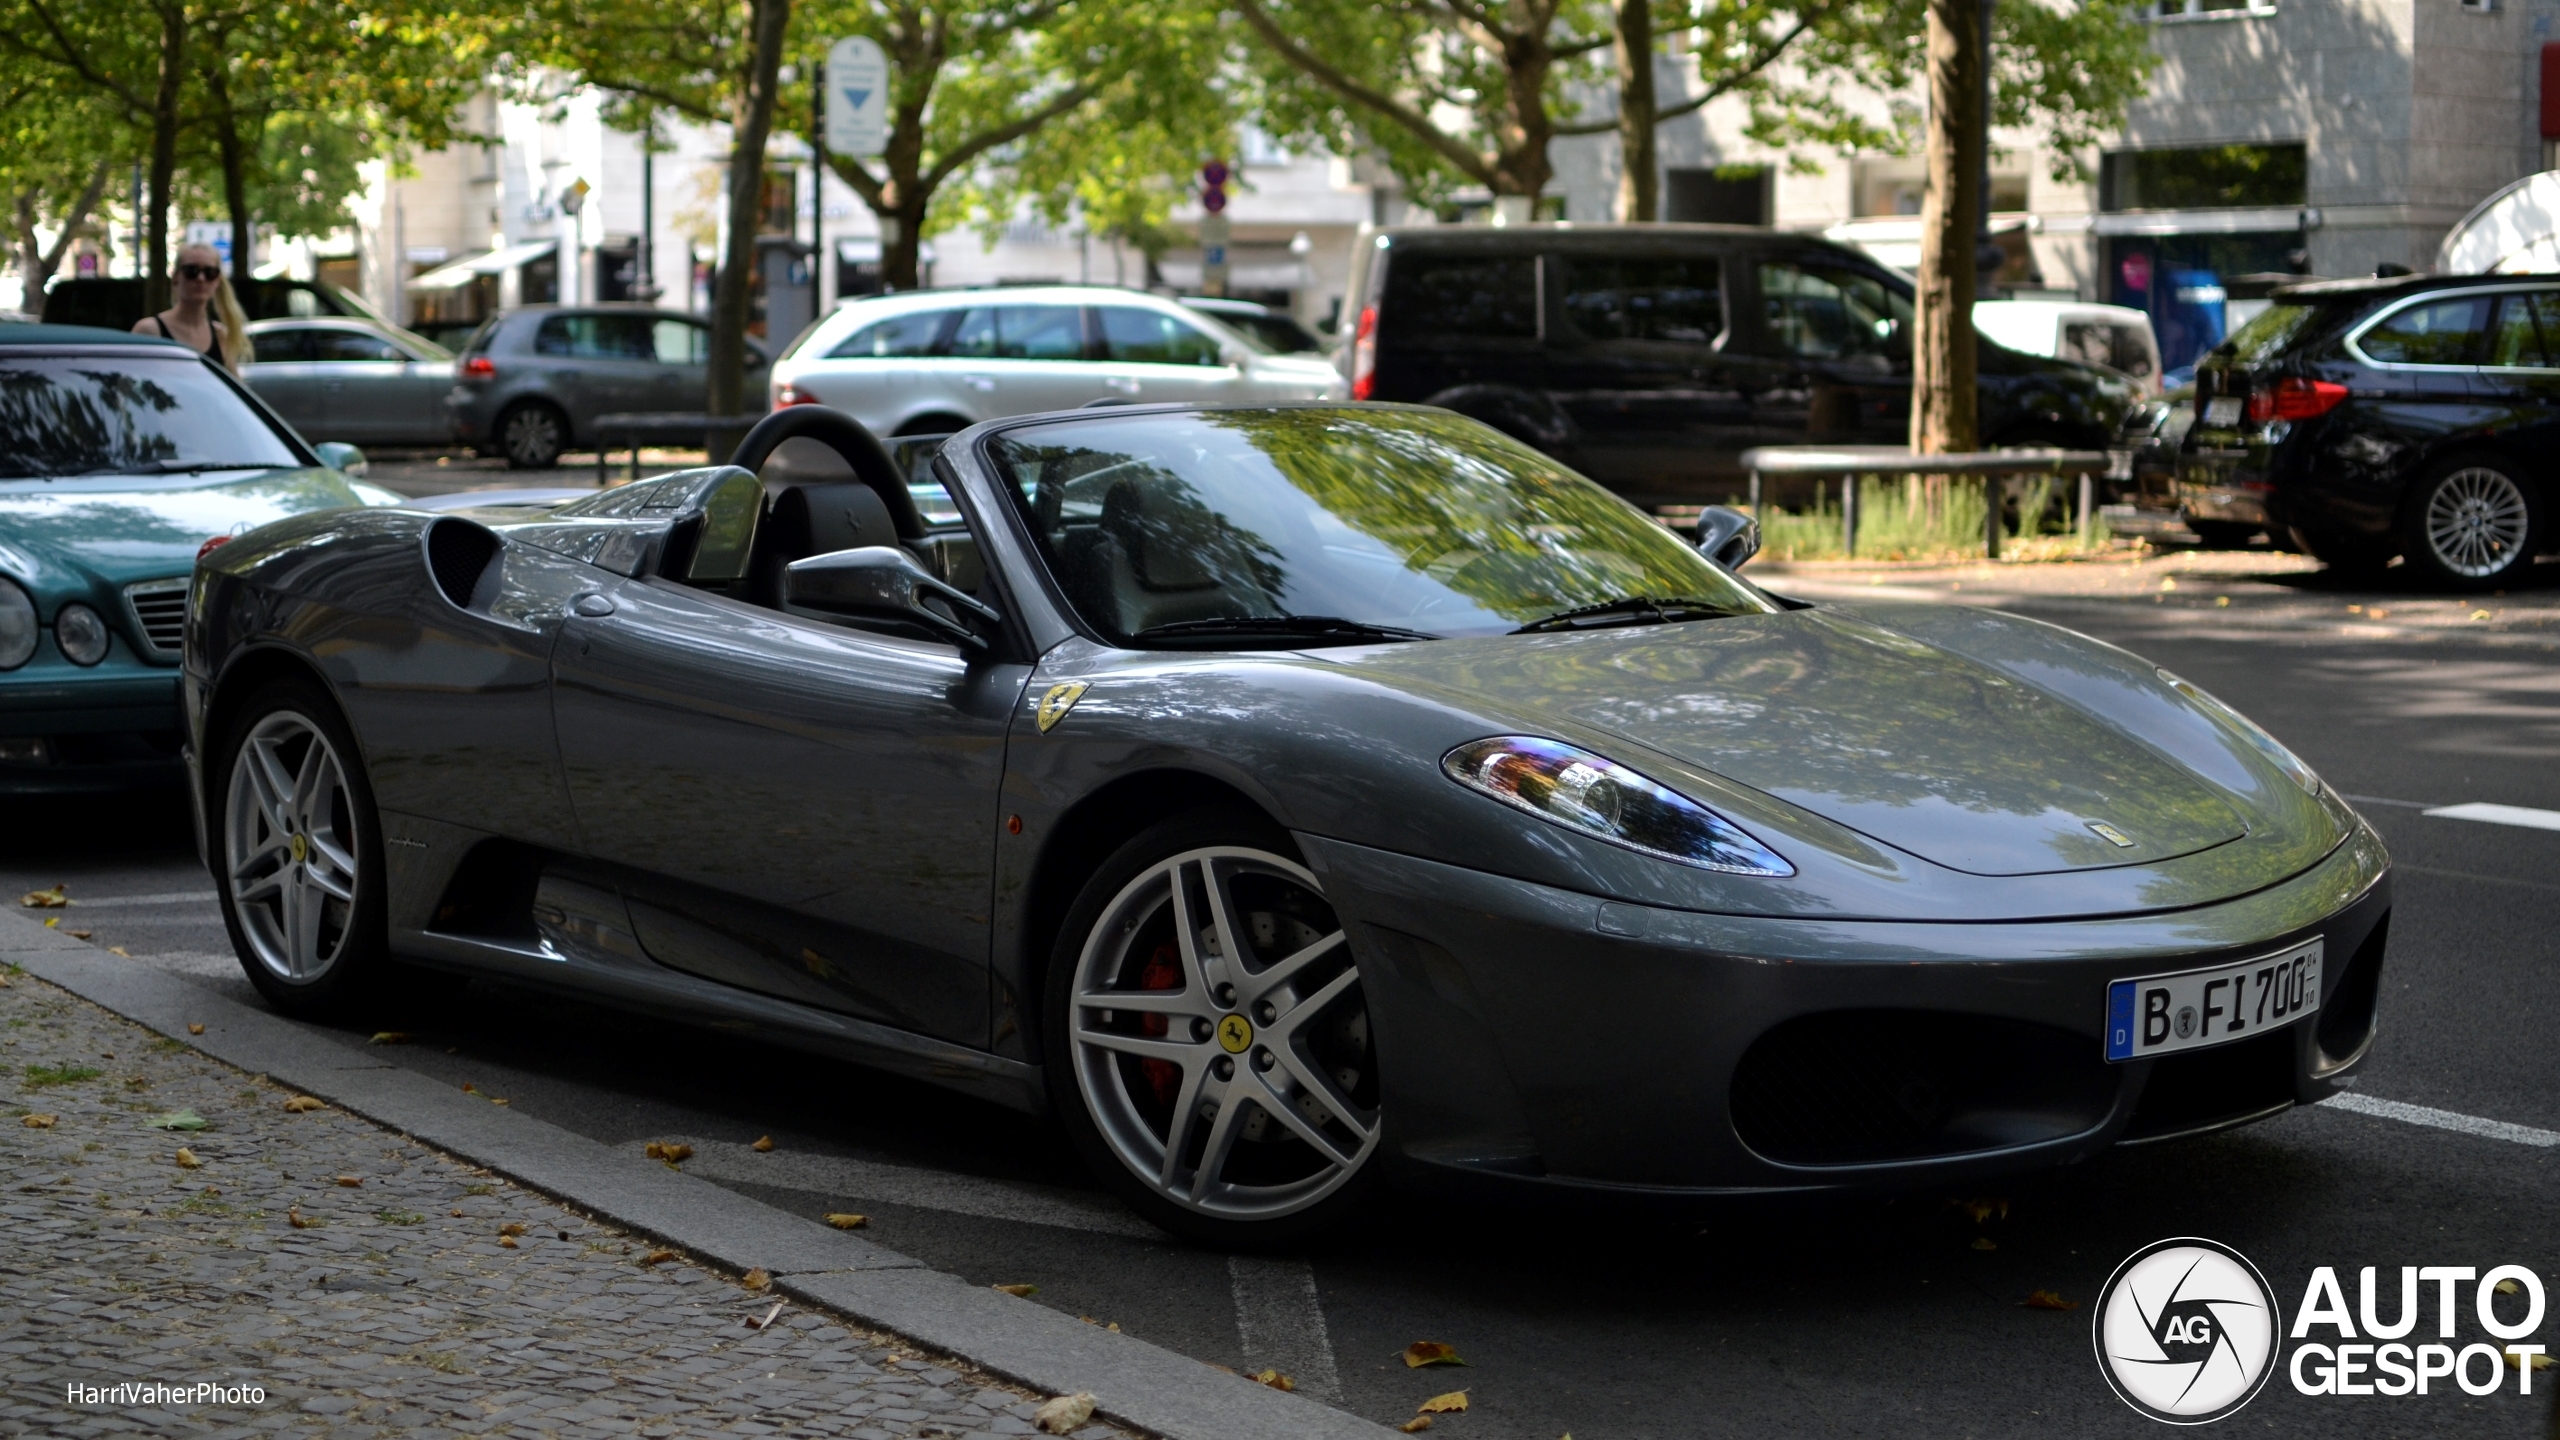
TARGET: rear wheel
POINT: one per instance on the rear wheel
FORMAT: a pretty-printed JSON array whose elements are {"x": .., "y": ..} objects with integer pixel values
[
  {"x": 298, "y": 852},
  {"x": 2471, "y": 523},
  {"x": 532, "y": 435},
  {"x": 1208, "y": 1040}
]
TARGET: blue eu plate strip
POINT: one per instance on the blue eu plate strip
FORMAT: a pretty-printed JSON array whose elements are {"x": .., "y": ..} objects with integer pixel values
[{"x": 2120, "y": 1020}]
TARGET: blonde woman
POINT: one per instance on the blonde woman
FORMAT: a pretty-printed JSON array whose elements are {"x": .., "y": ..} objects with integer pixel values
[{"x": 207, "y": 316}]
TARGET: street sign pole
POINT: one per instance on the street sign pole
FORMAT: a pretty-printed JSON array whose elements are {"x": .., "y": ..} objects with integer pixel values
[{"x": 1214, "y": 228}]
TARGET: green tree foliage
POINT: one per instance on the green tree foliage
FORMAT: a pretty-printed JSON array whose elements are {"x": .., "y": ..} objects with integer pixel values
[{"x": 59, "y": 151}]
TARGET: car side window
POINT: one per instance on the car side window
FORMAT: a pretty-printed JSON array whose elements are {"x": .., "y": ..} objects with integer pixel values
[
  {"x": 1677, "y": 298},
  {"x": 2527, "y": 335},
  {"x": 1040, "y": 332},
  {"x": 351, "y": 347},
  {"x": 2100, "y": 342},
  {"x": 1822, "y": 312},
  {"x": 899, "y": 336},
  {"x": 1458, "y": 297},
  {"x": 1149, "y": 337},
  {"x": 2439, "y": 332},
  {"x": 679, "y": 342},
  {"x": 596, "y": 337},
  {"x": 975, "y": 336},
  {"x": 277, "y": 347}
]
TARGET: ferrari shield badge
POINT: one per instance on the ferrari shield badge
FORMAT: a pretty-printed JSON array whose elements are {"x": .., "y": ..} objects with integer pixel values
[
  {"x": 2105, "y": 831},
  {"x": 1059, "y": 699}
]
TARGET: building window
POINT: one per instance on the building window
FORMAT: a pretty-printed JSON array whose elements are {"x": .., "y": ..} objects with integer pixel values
[
  {"x": 2211, "y": 9},
  {"x": 2205, "y": 178},
  {"x": 2480, "y": 7}
]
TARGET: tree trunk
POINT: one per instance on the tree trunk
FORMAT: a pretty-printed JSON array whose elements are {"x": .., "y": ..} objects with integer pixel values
[
  {"x": 164, "y": 156},
  {"x": 753, "y": 126},
  {"x": 1640, "y": 180},
  {"x": 901, "y": 263},
  {"x": 235, "y": 180},
  {"x": 1944, "y": 416}
]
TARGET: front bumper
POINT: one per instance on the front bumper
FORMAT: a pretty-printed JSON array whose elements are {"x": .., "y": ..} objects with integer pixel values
[
  {"x": 1538, "y": 1038},
  {"x": 114, "y": 727}
]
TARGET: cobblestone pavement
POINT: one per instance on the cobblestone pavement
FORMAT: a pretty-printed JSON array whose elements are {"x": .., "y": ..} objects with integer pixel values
[{"x": 368, "y": 1285}]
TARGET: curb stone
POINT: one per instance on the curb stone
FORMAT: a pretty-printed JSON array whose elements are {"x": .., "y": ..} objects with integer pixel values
[{"x": 1133, "y": 1381}]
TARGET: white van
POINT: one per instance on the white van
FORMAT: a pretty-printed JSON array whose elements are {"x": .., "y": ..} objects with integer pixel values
[{"x": 2115, "y": 336}]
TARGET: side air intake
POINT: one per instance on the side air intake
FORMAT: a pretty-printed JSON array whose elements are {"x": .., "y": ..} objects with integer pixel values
[{"x": 462, "y": 556}]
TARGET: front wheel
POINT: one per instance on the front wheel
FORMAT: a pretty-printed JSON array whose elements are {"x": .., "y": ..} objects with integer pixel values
[
  {"x": 298, "y": 853},
  {"x": 532, "y": 435},
  {"x": 2471, "y": 524},
  {"x": 1208, "y": 1041}
]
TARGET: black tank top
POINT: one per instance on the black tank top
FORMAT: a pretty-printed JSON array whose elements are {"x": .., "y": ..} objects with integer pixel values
[{"x": 213, "y": 333}]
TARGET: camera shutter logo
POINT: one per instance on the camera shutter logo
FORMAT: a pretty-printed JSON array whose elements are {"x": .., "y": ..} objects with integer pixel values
[{"x": 2186, "y": 1331}]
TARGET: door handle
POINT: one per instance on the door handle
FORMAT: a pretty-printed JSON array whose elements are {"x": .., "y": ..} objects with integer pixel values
[
  {"x": 983, "y": 384},
  {"x": 1125, "y": 384}
]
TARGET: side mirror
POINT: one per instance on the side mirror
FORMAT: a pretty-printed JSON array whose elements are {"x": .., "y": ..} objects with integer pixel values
[
  {"x": 883, "y": 582},
  {"x": 1727, "y": 536},
  {"x": 346, "y": 459}
]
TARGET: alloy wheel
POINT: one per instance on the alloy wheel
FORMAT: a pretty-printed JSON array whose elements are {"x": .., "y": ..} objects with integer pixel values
[
  {"x": 292, "y": 843},
  {"x": 2476, "y": 522},
  {"x": 533, "y": 438},
  {"x": 1220, "y": 1038}
]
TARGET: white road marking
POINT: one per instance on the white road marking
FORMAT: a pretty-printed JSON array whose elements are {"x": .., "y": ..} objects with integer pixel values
[
  {"x": 2380, "y": 800},
  {"x": 2443, "y": 1120},
  {"x": 1281, "y": 1322},
  {"x": 173, "y": 897},
  {"x": 860, "y": 1180},
  {"x": 2525, "y": 816}
]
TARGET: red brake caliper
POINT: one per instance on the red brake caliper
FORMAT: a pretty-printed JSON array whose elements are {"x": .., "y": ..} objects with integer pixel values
[{"x": 1163, "y": 971}]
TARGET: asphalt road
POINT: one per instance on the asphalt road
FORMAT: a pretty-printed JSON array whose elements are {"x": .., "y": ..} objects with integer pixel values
[{"x": 1875, "y": 1316}]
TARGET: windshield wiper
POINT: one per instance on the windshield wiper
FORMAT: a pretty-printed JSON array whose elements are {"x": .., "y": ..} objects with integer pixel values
[
  {"x": 1628, "y": 610},
  {"x": 1308, "y": 627}
]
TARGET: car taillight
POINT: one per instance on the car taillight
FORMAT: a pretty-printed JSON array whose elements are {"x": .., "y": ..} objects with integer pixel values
[
  {"x": 2295, "y": 398},
  {"x": 789, "y": 394},
  {"x": 208, "y": 547},
  {"x": 1364, "y": 354},
  {"x": 479, "y": 367}
]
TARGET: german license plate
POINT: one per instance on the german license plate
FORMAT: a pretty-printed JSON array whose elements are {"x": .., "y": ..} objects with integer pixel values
[
  {"x": 2164, "y": 1014},
  {"x": 2222, "y": 410}
]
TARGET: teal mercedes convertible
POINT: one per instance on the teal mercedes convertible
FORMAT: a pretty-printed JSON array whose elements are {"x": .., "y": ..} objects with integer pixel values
[{"x": 121, "y": 457}]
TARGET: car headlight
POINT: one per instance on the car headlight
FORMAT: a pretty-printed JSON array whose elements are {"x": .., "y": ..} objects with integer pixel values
[
  {"x": 18, "y": 626},
  {"x": 81, "y": 634},
  {"x": 1579, "y": 790},
  {"x": 2247, "y": 729}
]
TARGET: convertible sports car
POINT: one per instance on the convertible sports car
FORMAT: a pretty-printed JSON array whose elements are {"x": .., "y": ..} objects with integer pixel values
[{"x": 1291, "y": 798}]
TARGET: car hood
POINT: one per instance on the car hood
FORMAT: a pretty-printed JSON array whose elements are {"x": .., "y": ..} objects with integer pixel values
[
  {"x": 119, "y": 529},
  {"x": 1956, "y": 761}
]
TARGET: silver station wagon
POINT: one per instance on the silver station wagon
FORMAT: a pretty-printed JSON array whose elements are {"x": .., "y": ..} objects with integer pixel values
[{"x": 936, "y": 362}]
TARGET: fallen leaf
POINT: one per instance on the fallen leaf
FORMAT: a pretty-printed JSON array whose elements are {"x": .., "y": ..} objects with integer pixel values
[
  {"x": 119, "y": 950},
  {"x": 351, "y": 1181},
  {"x": 657, "y": 1257},
  {"x": 495, "y": 1101},
  {"x": 1983, "y": 1210},
  {"x": 1275, "y": 1380},
  {"x": 389, "y": 1037},
  {"x": 456, "y": 1214},
  {"x": 2479, "y": 614},
  {"x": 1985, "y": 1242},
  {"x": 2509, "y": 1287},
  {"x": 187, "y": 1159},
  {"x": 2539, "y": 1362},
  {"x": 767, "y": 1322},
  {"x": 1416, "y": 1425},
  {"x": 1065, "y": 1415},
  {"x": 177, "y": 1120},
  {"x": 52, "y": 899},
  {"x": 513, "y": 1227},
  {"x": 756, "y": 1280},
  {"x": 77, "y": 934},
  {"x": 303, "y": 1104},
  {"x": 1453, "y": 1403},
  {"x": 763, "y": 1145},
  {"x": 294, "y": 1218},
  {"x": 470, "y": 1089},
  {"x": 2169, "y": 582},
  {"x": 1020, "y": 1292},
  {"x": 45, "y": 1122},
  {"x": 55, "y": 921},
  {"x": 848, "y": 1222},
  {"x": 507, "y": 1242},
  {"x": 191, "y": 1029},
  {"x": 2377, "y": 613},
  {"x": 672, "y": 1154},
  {"x": 1430, "y": 1352},
  {"x": 2048, "y": 1300}
]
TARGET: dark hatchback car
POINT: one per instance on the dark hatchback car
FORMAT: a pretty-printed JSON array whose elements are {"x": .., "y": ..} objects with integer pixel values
[
  {"x": 2413, "y": 416},
  {"x": 1649, "y": 358},
  {"x": 531, "y": 382}
]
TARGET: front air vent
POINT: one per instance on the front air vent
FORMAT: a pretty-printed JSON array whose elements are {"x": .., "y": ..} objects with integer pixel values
[
  {"x": 461, "y": 555},
  {"x": 160, "y": 616}
]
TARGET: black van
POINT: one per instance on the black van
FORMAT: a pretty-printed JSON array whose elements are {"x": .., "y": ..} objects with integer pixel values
[
  {"x": 1650, "y": 357},
  {"x": 2415, "y": 416},
  {"x": 116, "y": 304}
]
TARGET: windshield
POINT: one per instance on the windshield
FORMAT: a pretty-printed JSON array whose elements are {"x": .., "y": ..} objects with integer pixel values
[
  {"x": 143, "y": 413},
  {"x": 1401, "y": 520}
]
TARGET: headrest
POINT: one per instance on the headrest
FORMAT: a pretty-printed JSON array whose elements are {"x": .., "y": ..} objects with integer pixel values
[
  {"x": 840, "y": 516},
  {"x": 861, "y": 451}
]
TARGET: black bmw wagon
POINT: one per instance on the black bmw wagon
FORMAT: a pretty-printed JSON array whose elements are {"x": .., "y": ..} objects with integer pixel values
[{"x": 2414, "y": 416}]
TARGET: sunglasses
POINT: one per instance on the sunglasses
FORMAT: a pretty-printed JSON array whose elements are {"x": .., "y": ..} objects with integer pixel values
[{"x": 199, "y": 272}]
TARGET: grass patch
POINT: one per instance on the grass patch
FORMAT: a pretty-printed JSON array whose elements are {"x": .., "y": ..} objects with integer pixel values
[
  {"x": 399, "y": 1217},
  {"x": 39, "y": 1076},
  {"x": 1924, "y": 519},
  {"x": 479, "y": 1189}
]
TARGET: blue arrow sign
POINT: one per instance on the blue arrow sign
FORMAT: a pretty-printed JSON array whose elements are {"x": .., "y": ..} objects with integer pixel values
[
  {"x": 856, "y": 97},
  {"x": 857, "y": 121}
]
